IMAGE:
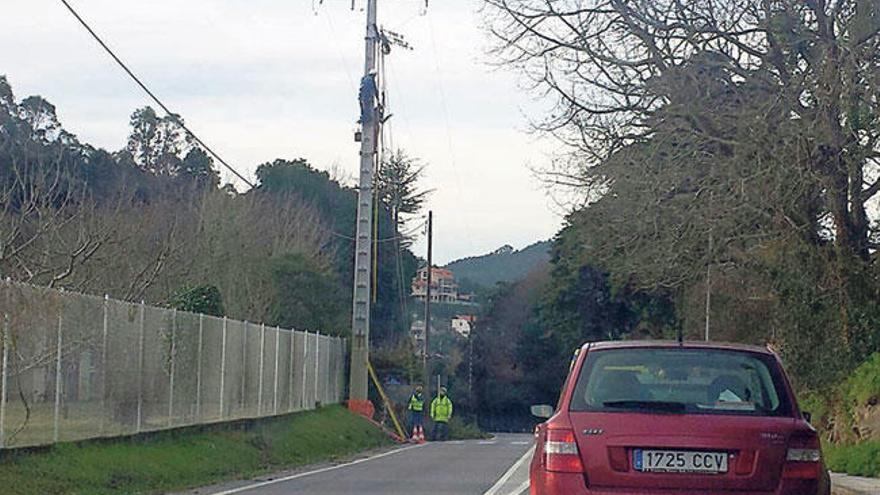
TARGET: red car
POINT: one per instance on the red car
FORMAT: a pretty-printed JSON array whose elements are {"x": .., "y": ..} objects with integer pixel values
[{"x": 645, "y": 417}]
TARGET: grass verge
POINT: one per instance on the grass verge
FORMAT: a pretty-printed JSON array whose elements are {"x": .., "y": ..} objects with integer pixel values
[
  {"x": 861, "y": 459},
  {"x": 180, "y": 459}
]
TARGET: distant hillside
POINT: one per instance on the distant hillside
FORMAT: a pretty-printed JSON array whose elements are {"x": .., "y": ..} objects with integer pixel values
[{"x": 503, "y": 265}]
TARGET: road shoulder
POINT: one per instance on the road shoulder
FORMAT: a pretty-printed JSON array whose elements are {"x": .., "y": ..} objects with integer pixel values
[
  {"x": 515, "y": 480},
  {"x": 278, "y": 476},
  {"x": 844, "y": 484}
]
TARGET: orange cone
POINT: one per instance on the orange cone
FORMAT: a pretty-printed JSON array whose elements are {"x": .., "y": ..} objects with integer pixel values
[{"x": 421, "y": 435}]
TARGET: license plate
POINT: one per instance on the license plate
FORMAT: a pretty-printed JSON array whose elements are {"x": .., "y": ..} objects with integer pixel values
[{"x": 679, "y": 461}]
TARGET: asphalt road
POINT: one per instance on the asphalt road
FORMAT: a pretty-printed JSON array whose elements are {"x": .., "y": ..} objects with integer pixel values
[{"x": 475, "y": 467}]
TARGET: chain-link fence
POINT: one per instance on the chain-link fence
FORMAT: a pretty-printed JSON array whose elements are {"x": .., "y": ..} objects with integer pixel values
[{"x": 77, "y": 367}]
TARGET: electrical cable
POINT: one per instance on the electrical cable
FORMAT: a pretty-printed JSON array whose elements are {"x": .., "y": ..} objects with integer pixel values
[
  {"x": 153, "y": 96},
  {"x": 179, "y": 122},
  {"x": 450, "y": 148}
]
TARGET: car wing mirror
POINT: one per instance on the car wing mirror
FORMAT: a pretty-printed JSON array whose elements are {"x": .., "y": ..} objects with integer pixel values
[{"x": 542, "y": 411}]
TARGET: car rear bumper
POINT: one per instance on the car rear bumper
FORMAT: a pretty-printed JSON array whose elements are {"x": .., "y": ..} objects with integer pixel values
[{"x": 573, "y": 484}]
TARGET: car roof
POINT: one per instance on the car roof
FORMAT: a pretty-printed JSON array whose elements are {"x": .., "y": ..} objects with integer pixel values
[{"x": 640, "y": 344}]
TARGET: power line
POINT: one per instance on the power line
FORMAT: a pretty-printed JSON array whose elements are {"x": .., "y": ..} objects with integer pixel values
[
  {"x": 339, "y": 54},
  {"x": 445, "y": 107},
  {"x": 153, "y": 96},
  {"x": 188, "y": 130},
  {"x": 401, "y": 236}
]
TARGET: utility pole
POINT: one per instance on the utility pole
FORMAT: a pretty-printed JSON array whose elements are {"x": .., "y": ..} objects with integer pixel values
[
  {"x": 425, "y": 359},
  {"x": 370, "y": 122}
]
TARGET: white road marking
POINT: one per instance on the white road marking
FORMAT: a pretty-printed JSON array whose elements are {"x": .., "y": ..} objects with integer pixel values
[
  {"x": 521, "y": 489},
  {"x": 501, "y": 481},
  {"x": 317, "y": 471},
  {"x": 486, "y": 442},
  {"x": 519, "y": 442}
]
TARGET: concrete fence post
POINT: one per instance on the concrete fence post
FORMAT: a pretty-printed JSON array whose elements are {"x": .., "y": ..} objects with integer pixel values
[
  {"x": 275, "y": 392},
  {"x": 222, "y": 367},
  {"x": 198, "y": 415},
  {"x": 56, "y": 430},
  {"x": 171, "y": 364}
]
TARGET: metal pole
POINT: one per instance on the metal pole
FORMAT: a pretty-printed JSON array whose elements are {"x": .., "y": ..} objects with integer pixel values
[
  {"x": 260, "y": 369},
  {"x": 275, "y": 392},
  {"x": 709, "y": 285},
  {"x": 290, "y": 364},
  {"x": 328, "y": 377},
  {"x": 325, "y": 376},
  {"x": 331, "y": 382},
  {"x": 199, "y": 369},
  {"x": 471, "y": 366},
  {"x": 317, "y": 367},
  {"x": 222, "y": 366},
  {"x": 426, "y": 360},
  {"x": 244, "y": 365},
  {"x": 341, "y": 377},
  {"x": 370, "y": 121},
  {"x": 3, "y": 374},
  {"x": 140, "y": 402},
  {"x": 340, "y": 371},
  {"x": 57, "y": 419},
  {"x": 302, "y": 393},
  {"x": 328, "y": 381},
  {"x": 103, "y": 412},
  {"x": 172, "y": 350}
]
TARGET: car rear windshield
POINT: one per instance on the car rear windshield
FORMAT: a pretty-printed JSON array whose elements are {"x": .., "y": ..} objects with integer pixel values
[{"x": 696, "y": 381}]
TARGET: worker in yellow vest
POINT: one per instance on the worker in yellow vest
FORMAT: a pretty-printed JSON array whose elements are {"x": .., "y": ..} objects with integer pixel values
[
  {"x": 441, "y": 412},
  {"x": 416, "y": 409}
]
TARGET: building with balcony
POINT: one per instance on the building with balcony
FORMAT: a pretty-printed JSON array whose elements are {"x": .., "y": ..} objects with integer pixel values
[{"x": 444, "y": 289}]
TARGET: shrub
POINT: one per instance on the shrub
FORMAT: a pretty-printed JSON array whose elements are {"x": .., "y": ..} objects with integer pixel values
[
  {"x": 861, "y": 459},
  {"x": 863, "y": 387},
  {"x": 204, "y": 299},
  {"x": 461, "y": 430}
]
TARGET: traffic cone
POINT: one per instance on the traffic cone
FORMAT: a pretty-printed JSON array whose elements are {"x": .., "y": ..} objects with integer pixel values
[
  {"x": 421, "y": 435},
  {"x": 415, "y": 434}
]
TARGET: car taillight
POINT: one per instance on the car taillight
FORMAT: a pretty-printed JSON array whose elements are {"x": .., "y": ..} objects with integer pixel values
[
  {"x": 561, "y": 452},
  {"x": 804, "y": 456}
]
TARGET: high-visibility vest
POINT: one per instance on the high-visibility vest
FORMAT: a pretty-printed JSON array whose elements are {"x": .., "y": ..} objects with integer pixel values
[
  {"x": 441, "y": 409},
  {"x": 416, "y": 403}
]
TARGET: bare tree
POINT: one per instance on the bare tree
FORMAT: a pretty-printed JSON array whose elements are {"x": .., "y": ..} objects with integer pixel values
[
  {"x": 50, "y": 226},
  {"x": 609, "y": 65},
  {"x": 235, "y": 237}
]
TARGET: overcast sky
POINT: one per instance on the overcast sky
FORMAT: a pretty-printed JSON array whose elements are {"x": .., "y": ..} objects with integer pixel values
[{"x": 266, "y": 79}]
